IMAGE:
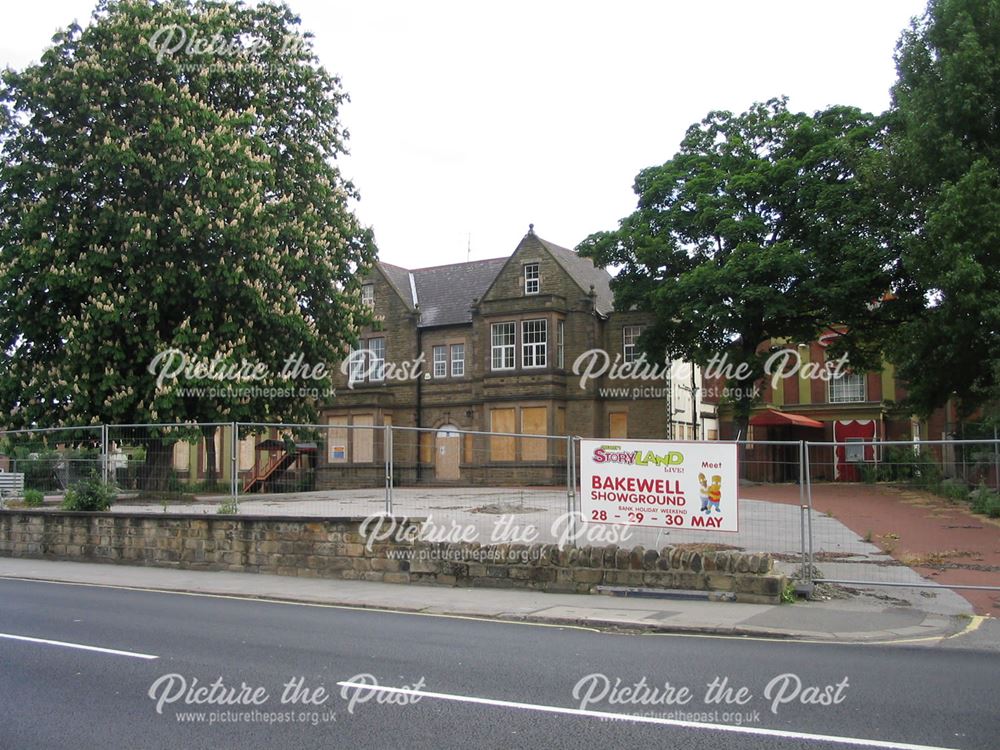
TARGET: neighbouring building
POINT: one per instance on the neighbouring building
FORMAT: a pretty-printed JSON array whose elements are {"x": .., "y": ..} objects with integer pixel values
[
  {"x": 853, "y": 409},
  {"x": 497, "y": 342}
]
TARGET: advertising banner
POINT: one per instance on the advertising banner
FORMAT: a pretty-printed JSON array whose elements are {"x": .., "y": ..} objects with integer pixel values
[{"x": 660, "y": 484}]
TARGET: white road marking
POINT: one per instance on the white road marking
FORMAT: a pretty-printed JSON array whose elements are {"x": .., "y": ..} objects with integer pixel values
[
  {"x": 759, "y": 731},
  {"x": 80, "y": 646}
]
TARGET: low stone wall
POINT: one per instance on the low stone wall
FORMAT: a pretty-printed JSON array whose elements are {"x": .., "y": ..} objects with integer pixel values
[{"x": 336, "y": 548}]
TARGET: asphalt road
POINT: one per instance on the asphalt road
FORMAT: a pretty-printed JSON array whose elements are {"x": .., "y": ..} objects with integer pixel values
[{"x": 465, "y": 683}]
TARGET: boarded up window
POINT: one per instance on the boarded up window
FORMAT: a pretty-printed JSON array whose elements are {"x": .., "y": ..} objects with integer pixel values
[
  {"x": 470, "y": 447},
  {"x": 426, "y": 447},
  {"x": 336, "y": 441},
  {"x": 534, "y": 421},
  {"x": 618, "y": 424},
  {"x": 363, "y": 440},
  {"x": 182, "y": 456},
  {"x": 247, "y": 453},
  {"x": 502, "y": 448}
]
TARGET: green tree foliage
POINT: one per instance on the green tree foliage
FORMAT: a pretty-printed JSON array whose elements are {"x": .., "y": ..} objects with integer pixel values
[
  {"x": 157, "y": 196},
  {"x": 945, "y": 146},
  {"x": 762, "y": 227}
]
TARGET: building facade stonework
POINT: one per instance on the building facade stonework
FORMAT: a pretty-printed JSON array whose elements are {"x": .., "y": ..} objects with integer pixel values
[{"x": 496, "y": 342}]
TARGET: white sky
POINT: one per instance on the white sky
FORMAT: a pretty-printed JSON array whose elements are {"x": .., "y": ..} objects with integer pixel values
[{"x": 474, "y": 119}]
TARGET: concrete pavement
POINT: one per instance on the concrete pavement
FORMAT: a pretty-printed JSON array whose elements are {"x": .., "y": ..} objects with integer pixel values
[{"x": 864, "y": 618}]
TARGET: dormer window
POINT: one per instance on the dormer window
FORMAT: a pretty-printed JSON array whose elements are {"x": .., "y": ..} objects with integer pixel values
[
  {"x": 368, "y": 295},
  {"x": 532, "y": 280}
]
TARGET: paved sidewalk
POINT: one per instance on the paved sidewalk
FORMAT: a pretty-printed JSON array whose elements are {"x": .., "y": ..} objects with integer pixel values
[{"x": 860, "y": 619}]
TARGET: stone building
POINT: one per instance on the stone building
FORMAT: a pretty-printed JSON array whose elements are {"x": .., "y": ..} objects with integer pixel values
[{"x": 491, "y": 346}]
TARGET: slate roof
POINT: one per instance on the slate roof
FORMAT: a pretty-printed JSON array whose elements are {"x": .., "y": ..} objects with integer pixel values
[{"x": 445, "y": 294}]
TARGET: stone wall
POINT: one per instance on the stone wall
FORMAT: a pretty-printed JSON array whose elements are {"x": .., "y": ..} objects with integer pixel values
[{"x": 336, "y": 548}]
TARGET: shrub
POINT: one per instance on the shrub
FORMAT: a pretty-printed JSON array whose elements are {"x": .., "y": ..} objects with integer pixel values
[
  {"x": 985, "y": 501},
  {"x": 33, "y": 499},
  {"x": 870, "y": 473},
  {"x": 902, "y": 463},
  {"x": 954, "y": 490},
  {"x": 90, "y": 494}
]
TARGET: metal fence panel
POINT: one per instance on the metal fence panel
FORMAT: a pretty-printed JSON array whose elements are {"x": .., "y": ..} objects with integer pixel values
[
  {"x": 905, "y": 513},
  {"x": 493, "y": 487},
  {"x": 52, "y": 459}
]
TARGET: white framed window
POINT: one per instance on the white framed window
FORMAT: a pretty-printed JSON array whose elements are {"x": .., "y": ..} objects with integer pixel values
[
  {"x": 457, "y": 360},
  {"x": 376, "y": 353},
  {"x": 561, "y": 344},
  {"x": 440, "y": 357},
  {"x": 502, "y": 340},
  {"x": 534, "y": 335},
  {"x": 356, "y": 373},
  {"x": 630, "y": 338},
  {"x": 532, "y": 279},
  {"x": 848, "y": 388},
  {"x": 368, "y": 295}
]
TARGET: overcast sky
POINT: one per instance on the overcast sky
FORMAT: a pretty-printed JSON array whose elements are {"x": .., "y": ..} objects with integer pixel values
[{"x": 472, "y": 119}]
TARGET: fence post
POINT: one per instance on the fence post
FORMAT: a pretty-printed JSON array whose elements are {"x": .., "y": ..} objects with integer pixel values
[
  {"x": 996, "y": 459},
  {"x": 809, "y": 513},
  {"x": 104, "y": 453},
  {"x": 569, "y": 474},
  {"x": 387, "y": 449},
  {"x": 571, "y": 486},
  {"x": 234, "y": 478},
  {"x": 805, "y": 584}
]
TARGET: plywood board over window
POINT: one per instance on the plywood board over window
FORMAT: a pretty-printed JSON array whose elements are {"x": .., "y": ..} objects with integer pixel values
[
  {"x": 426, "y": 447},
  {"x": 618, "y": 424},
  {"x": 336, "y": 440},
  {"x": 247, "y": 452},
  {"x": 363, "y": 440},
  {"x": 182, "y": 455},
  {"x": 534, "y": 421},
  {"x": 502, "y": 448}
]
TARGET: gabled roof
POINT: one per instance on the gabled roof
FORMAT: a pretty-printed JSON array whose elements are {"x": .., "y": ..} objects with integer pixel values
[
  {"x": 399, "y": 278},
  {"x": 585, "y": 274},
  {"x": 445, "y": 294}
]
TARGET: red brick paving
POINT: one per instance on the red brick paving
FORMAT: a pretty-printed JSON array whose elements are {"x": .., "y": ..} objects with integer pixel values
[{"x": 930, "y": 532}]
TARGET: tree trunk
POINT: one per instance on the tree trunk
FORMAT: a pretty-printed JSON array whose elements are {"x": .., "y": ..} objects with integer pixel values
[
  {"x": 211, "y": 473},
  {"x": 155, "y": 472}
]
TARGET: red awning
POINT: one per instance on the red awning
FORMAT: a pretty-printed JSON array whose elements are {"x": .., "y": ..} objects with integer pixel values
[{"x": 773, "y": 418}]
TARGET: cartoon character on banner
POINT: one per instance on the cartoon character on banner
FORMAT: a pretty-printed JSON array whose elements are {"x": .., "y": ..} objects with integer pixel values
[
  {"x": 715, "y": 494},
  {"x": 703, "y": 493}
]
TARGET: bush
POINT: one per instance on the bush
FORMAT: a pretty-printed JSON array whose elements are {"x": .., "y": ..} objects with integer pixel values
[
  {"x": 90, "y": 494},
  {"x": 870, "y": 473},
  {"x": 954, "y": 490},
  {"x": 902, "y": 463},
  {"x": 985, "y": 501},
  {"x": 33, "y": 499}
]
